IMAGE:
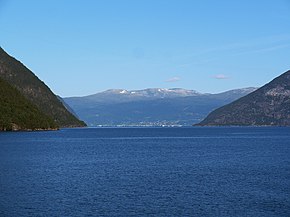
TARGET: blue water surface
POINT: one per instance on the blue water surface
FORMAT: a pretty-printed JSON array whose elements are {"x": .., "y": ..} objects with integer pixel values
[{"x": 215, "y": 171}]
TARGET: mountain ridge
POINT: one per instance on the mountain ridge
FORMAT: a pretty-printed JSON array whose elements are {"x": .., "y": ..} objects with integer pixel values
[{"x": 155, "y": 93}]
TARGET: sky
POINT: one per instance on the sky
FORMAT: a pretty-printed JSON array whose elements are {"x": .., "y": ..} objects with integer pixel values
[{"x": 80, "y": 47}]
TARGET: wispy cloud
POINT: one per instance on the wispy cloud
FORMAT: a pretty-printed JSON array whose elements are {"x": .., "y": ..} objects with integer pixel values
[
  {"x": 173, "y": 79},
  {"x": 221, "y": 76},
  {"x": 265, "y": 49},
  {"x": 268, "y": 43},
  {"x": 252, "y": 46}
]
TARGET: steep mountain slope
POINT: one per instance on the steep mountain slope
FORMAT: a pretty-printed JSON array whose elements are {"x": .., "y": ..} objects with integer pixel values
[
  {"x": 149, "y": 107},
  {"x": 17, "y": 113},
  {"x": 17, "y": 75},
  {"x": 269, "y": 105}
]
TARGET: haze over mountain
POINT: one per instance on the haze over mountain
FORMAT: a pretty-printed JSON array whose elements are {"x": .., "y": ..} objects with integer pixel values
[
  {"x": 18, "y": 76},
  {"x": 149, "y": 107},
  {"x": 269, "y": 105}
]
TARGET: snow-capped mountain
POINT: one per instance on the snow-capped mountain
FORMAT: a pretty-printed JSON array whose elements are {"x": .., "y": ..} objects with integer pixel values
[
  {"x": 150, "y": 107},
  {"x": 143, "y": 94}
]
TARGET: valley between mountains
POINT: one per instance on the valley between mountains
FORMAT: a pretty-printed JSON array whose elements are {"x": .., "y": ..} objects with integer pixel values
[{"x": 27, "y": 103}]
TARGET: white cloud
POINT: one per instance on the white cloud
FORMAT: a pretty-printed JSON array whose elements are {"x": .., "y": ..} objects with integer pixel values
[
  {"x": 221, "y": 76},
  {"x": 173, "y": 79}
]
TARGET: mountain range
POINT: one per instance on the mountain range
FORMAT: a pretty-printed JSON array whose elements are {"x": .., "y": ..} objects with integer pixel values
[
  {"x": 19, "y": 81},
  {"x": 122, "y": 95},
  {"x": 267, "y": 106},
  {"x": 149, "y": 107},
  {"x": 27, "y": 103}
]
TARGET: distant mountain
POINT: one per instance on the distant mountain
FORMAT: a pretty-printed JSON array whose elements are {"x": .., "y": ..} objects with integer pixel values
[
  {"x": 151, "y": 92},
  {"x": 20, "y": 77},
  {"x": 18, "y": 113},
  {"x": 269, "y": 105},
  {"x": 122, "y": 95},
  {"x": 149, "y": 107}
]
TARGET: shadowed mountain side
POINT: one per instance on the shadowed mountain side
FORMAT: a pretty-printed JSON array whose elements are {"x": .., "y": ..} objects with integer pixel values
[
  {"x": 17, "y": 75},
  {"x": 269, "y": 105},
  {"x": 18, "y": 113}
]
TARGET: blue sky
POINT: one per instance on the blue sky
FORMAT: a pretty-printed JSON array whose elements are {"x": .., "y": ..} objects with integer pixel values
[{"x": 80, "y": 47}]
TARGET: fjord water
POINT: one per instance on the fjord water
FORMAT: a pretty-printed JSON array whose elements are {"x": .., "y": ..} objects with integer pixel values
[{"x": 238, "y": 171}]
